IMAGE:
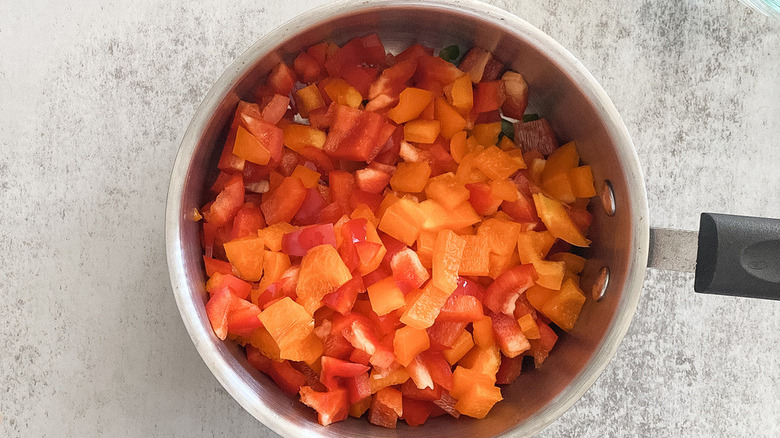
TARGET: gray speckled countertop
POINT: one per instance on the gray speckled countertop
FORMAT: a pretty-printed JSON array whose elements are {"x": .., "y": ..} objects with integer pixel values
[{"x": 95, "y": 95}]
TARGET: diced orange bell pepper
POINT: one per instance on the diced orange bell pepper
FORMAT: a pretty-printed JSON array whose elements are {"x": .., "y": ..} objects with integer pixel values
[
  {"x": 371, "y": 264},
  {"x": 248, "y": 147},
  {"x": 451, "y": 121},
  {"x": 459, "y": 146},
  {"x": 288, "y": 323},
  {"x": 562, "y": 160},
  {"x": 342, "y": 93},
  {"x": 464, "y": 378},
  {"x": 574, "y": 263},
  {"x": 360, "y": 407},
  {"x": 460, "y": 94},
  {"x": 307, "y": 350},
  {"x": 282, "y": 204},
  {"x": 504, "y": 189},
  {"x": 423, "y": 306},
  {"x": 389, "y": 199},
  {"x": 554, "y": 216},
  {"x": 462, "y": 345},
  {"x": 322, "y": 272},
  {"x": 478, "y": 400},
  {"x": 559, "y": 187},
  {"x": 296, "y": 136},
  {"x": 496, "y": 164},
  {"x": 447, "y": 191},
  {"x": 468, "y": 172},
  {"x": 246, "y": 256},
  {"x": 438, "y": 218},
  {"x": 425, "y": 242},
  {"x": 501, "y": 235},
  {"x": 396, "y": 377},
  {"x": 533, "y": 245},
  {"x": 486, "y": 134},
  {"x": 408, "y": 343},
  {"x": 411, "y": 103},
  {"x": 386, "y": 407},
  {"x": 506, "y": 145},
  {"x": 274, "y": 265},
  {"x": 501, "y": 263},
  {"x": 309, "y": 178},
  {"x": 538, "y": 296},
  {"x": 483, "y": 360},
  {"x": 403, "y": 220},
  {"x": 447, "y": 254},
  {"x": 528, "y": 326},
  {"x": 581, "y": 179},
  {"x": 263, "y": 341},
  {"x": 309, "y": 99},
  {"x": 550, "y": 273},
  {"x": 476, "y": 256},
  {"x": 564, "y": 308},
  {"x": 385, "y": 296},
  {"x": 364, "y": 211},
  {"x": 272, "y": 234},
  {"x": 411, "y": 177},
  {"x": 483, "y": 332},
  {"x": 422, "y": 131}
]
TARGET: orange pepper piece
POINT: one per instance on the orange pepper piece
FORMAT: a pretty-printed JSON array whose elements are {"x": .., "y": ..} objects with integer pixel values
[
  {"x": 272, "y": 234},
  {"x": 550, "y": 273},
  {"x": 246, "y": 256},
  {"x": 534, "y": 245},
  {"x": 557, "y": 221},
  {"x": 529, "y": 327},
  {"x": 309, "y": 99},
  {"x": 462, "y": 345},
  {"x": 483, "y": 332},
  {"x": 564, "y": 308},
  {"x": 422, "y": 131},
  {"x": 408, "y": 343},
  {"x": 561, "y": 161},
  {"x": 288, "y": 323},
  {"x": 322, "y": 272},
  {"x": 451, "y": 121},
  {"x": 263, "y": 341},
  {"x": 396, "y": 377},
  {"x": 496, "y": 164},
  {"x": 500, "y": 263},
  {"x": 581, "y": 179},
  {"x": 425, "y": 242},
  {"x": 505, "y": 190},
  {"x": 478, "y": 400},
  {"x": 483, "y": 360},
  {"x": 538, "y": 296},
  {"x": 447, "y": 191},
  {"x": 403, "y": 220},
  {"x": 463, "y": 378},
  {"x": 385, "y": 296},
  {"x": 423, "y": 306},
  {"x": 342, "y": 93},
  {"x": 297, "y": 136},
  {"x": 411, "y": 103},
  {"x": 447, "y": 254},
  {"x": 501, "y": 235},
  {"x": 274, "y": 265},
  {"x": 476, "y": 256},
  {"x": 460, "y": 94},
  {"x": 411, "y": 177},
  {"x": 486, "y": 134},
  {"x": 574, "y": 263},
  {"x": 310, "y": 178},
  {"x": 248, "y": 147}
]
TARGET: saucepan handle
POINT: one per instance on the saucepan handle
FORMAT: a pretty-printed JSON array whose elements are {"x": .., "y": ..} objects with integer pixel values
[{"x": 738, "y": 256}]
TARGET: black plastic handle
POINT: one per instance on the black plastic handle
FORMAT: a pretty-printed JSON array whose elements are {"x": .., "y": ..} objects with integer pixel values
[{"x": 738, "y": 256}]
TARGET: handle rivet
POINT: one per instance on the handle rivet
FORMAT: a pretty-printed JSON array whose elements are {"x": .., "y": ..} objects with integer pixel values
[
  {"x": 600, "y": 285},
  {"x": 608, "y": 198}
]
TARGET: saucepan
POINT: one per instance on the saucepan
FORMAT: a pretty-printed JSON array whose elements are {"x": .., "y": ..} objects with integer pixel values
[{"x": 737, "y": 255}]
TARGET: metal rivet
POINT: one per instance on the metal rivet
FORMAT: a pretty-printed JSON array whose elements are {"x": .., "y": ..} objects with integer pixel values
[
  {"x": 608, "y": 198},
  {"x": 600, "y": 286}
]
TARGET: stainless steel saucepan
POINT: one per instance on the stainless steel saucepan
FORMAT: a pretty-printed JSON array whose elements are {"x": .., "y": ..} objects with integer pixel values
[{"x": 563, "y": 91}]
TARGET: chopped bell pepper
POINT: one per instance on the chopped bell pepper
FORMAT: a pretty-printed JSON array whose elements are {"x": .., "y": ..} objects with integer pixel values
[
  {"x": 451, "y": 121},
  {"x": 403, "y": 220},
  {"x": 322, "y": 272},
  {"x": 408, "y": 343},
  {"x": 462, "y": 345},
  {"x": 447, "y": 254},
  {"x": 284, "y": 202},
  {"x": 411, "y": 177},
  {"x": 385, "y": 296},
  {"x": 558, "y": 221},
  {"x": 423, "y": 307},
  {"x": 476, "y": 256},
  {"x": 564, "y": 307},
  {"x": 422, "y": 131},
  {"x": 581, "y": 179},
  {"x": 412, "y": 101},
  {"x": 246, "y": 256},
  {"x": 296, "y": 136}
]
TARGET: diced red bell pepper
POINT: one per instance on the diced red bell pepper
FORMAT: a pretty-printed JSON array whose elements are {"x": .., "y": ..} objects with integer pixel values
[
  {"x": 501, "y": 295},
  {"x": 419, "y": 374},
  {"x": 351, "y": 53},
  {"x": 311, "y": 208},
  {"x": 355, "y": 134},
  {"x": 540, "y": 348},
  {"x": 359, "y": 77},
  {"x": 360, "y": 356},
  {"x": 248, "y": 220},
  {"x": 284, "y": 202},
  {"x": 243, "y": 318},
  {"x": 219, "y": 280},
  {"x": 341, "y": 186},
  {"x": 300, "y": 241},
  {"x": 227, "y": 203},
  {"x": 509, "y": 370},
  {"x": 482, "y": 199},
  {"x": 408, "y": 271},
  {"x": 416, "y": 412},
  {"x": 386, "y": 407},
  {"x": 438, "y": 367},
  {"x": 267, "y": 134},
  {"x": 447, "y": 404},
  {"x": 536, "y": 135},
  {"x": 469, "y": 287},
  {"x": 282, "y": 373},
  {"x": 372, "y": 200},
  {"x": 433, "y": 73},
  {"x": 488, "y": 96},
  {"x": 393, "y": 80},
  {"x": 410, "y": 390},
  {"x": 333, "y": 368},
  {"x": 217, "y": 309},
  {"x": 321, "y": 160},
  {"x": 343, "y": 298},
  {"x": 372, "y": 180},
  {"x": 335, "y": 345},
  {"x": 307, "y": 68},
  {"x": 374, "y": 49},
  {"x": 358, "y": 387},
  {"x": 282, "y": 79},
  {"x": 275, "y": 109},
  {"x": 461, "y": 308},
  {"x": 444, "y": 334},
  {"x": 509, "y": 336},
  {"x": 214, "y": 265},
  {"x": 362, "y": 337},
  {"x": 522, "y": 210},
  {"x": 331, "y": 406}
]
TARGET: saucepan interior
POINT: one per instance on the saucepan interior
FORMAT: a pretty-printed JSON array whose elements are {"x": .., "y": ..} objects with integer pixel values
[{"x": 561, "y": 90}]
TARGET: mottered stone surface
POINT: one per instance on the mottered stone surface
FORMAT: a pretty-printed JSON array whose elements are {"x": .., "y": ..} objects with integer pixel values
[{"x": 95, "y": 96}]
